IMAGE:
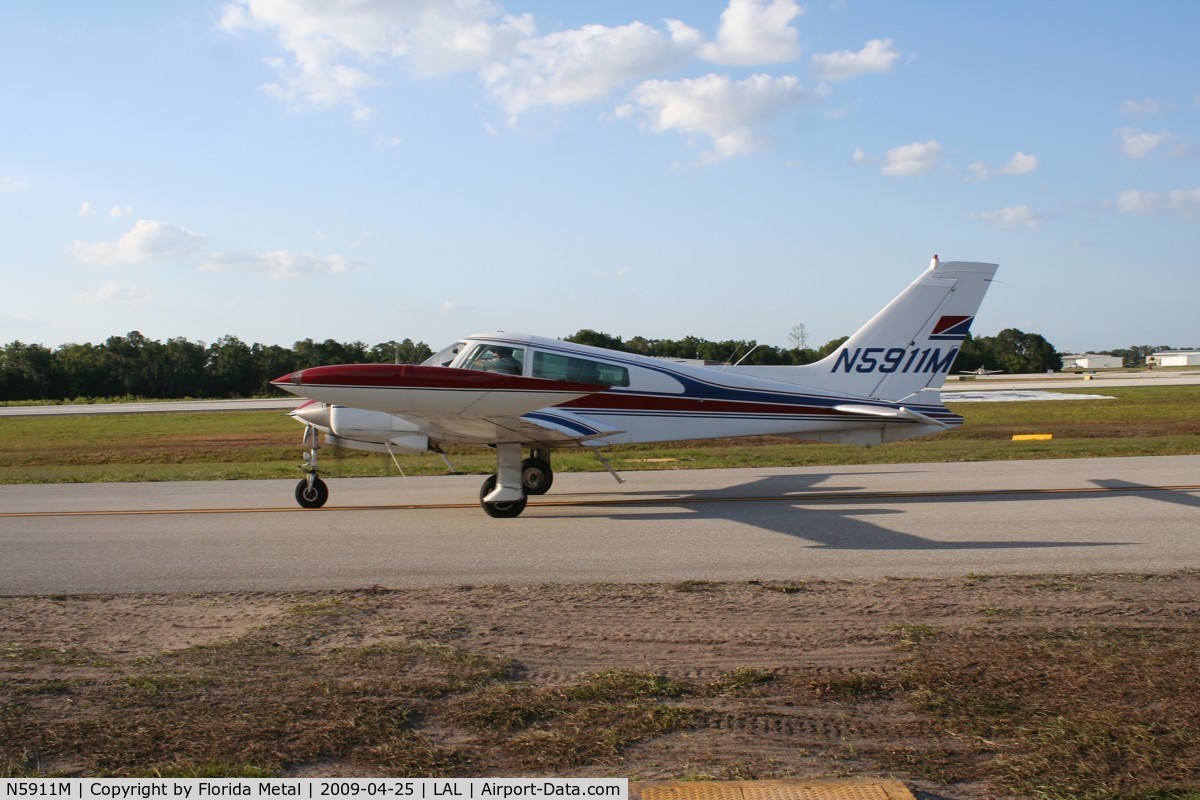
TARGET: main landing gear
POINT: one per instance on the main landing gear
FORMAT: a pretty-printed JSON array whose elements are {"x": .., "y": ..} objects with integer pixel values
[
  {"x": 311, "y": 491},
  {"x": 504, "y": 494}
]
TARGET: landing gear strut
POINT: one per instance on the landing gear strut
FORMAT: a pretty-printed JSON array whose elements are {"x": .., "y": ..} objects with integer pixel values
[
  {"x": 505, "y": 493},
  {"x": 311, "y": 491}
]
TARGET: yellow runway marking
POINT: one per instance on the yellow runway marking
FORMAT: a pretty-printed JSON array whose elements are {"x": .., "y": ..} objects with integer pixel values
[{"x": 664, "y": 499}]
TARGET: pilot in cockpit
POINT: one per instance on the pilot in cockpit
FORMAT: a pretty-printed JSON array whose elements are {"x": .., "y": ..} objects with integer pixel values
[{"x": 500, "y": 359}]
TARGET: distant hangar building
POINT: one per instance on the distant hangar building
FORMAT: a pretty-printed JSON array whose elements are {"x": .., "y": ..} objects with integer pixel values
[
  {"x": 1174, "y": 358},
  {"x": 1091, "y": 361}
]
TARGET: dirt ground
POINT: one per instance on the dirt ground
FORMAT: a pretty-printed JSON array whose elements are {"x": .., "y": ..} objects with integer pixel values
[{"x": 825, "y": 661}]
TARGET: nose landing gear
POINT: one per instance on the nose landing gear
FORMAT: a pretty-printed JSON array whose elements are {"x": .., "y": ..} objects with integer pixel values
[{"x": 311, "y": 491}]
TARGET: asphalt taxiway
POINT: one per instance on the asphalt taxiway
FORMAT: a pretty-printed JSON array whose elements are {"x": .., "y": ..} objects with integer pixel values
[{"x": 1083, "y": 515}]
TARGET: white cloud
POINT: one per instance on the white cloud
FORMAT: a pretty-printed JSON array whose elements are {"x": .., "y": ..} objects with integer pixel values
[
  {"x": 755, "y": 32},
  {"x": 728, "y": 112},
  {"x": 877, "y": 56},
  {"x": 1184, "y": 203},
  {"x": 333, "y": 44},
  {"x": 586, "y": 63},
  {"x": 1012, "y": 217},
  {"x": 978, "y": 171},
  {"x": 112, "y": 292},
  {"x": 1184, "y": 150},
  {"x": 455, "y": 307},
  {"x": 280, "y": 263},
  {"x": 148, "y": 240},
  {"x": 1140, "y": 108},
  {"x": 12, "y": 185},
  {"x": 1139, "y": 144},
  {"x": 1019, "y": 164},
  {"x": 908, "y": 160},
  {"x": 86, "y": 209},
  {"x": 860, "y": 157},
  {"x": 1135, "y": 201},
  {"x": 617, "y": 274},
  {"x": 333, "y": 52}
]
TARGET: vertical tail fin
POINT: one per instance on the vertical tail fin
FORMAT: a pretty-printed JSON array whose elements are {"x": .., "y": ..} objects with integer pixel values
[{"x": 911, "y": 344}]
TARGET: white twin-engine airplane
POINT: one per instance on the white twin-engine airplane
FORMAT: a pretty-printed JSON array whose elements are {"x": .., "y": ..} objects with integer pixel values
[{"x": 513, "y": 391}]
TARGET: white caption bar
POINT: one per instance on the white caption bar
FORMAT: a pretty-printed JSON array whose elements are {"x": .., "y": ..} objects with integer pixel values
[{"x": 314, "y": 788}]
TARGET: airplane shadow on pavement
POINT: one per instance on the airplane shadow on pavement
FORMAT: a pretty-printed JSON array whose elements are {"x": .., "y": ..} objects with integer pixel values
[{"x": 794, "y": 505}]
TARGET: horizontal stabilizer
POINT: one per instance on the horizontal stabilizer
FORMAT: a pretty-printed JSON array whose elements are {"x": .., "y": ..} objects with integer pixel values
[{"x": 900, "y": 413}]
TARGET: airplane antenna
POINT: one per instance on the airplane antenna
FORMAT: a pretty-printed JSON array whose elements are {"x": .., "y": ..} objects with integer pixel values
[
  {"x": 748, "y": 352},
  {"x": 396, "y": 461}
]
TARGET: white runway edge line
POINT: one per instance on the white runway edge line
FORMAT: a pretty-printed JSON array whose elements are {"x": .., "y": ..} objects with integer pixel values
[{"x": 1014, "y": 396}]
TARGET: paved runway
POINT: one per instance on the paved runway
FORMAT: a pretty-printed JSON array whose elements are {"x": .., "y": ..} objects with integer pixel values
[{"x": 1086, "y": 515}]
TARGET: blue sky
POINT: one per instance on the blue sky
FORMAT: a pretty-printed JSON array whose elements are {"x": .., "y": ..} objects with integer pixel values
[{"x": 374, "y": 170}]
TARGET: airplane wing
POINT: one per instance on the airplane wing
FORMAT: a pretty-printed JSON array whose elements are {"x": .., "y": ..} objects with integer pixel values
[
  {"x": 448, "y": 405},
  {"x": 431, "y": 392},
  {"x": 545, "y": 428},
  {"x": 557, "y": 426}
]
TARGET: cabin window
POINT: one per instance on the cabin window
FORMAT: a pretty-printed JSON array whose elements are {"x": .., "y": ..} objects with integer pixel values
[
  {"x": 496, "y": 358},
  {"x": 582, "y": 370}
]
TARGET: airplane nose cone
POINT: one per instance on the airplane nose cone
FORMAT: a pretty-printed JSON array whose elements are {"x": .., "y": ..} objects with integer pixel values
[
  {"x": 291, "y": 379},
  {"x": 313, "y": 413}
]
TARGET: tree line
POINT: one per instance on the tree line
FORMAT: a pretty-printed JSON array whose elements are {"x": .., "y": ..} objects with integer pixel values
[
  {"x": 135, "y": 366},
  {"x": 729, "y": 351},
  {"x": 1011, "y": 350}
]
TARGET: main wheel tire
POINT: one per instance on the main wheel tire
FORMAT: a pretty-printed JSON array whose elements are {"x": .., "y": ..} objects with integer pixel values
[
  {"x": 536, "y": 476},
  {"x": 499, "y": 510},
  {"x": 311, "y": 496}
]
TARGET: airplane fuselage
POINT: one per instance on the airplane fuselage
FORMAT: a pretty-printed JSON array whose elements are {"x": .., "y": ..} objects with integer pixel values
[
  {"x": 513, "y": 391},
  {"x": 654, "y": 400}
]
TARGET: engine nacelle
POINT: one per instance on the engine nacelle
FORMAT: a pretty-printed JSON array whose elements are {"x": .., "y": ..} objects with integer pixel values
[{"x": 377, "y": 427}]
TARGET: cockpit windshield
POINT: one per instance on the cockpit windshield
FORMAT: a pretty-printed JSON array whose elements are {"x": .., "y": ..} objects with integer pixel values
[{"x": 443, "y": 357}]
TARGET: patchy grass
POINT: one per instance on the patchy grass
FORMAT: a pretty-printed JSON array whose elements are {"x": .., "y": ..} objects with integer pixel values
[
  {"x": 1097, "y": 697},
  {"x": 588, "y": 721},
  {"x": 266, "y": 444},
  {"x": 293, "y": 693},
  {"x": 1090, "y": 713}
]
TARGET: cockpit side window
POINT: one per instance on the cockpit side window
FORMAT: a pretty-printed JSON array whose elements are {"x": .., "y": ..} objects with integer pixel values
[
  {"x": 445, "y": 356},
  {"x": 496, "y": 358},
  {"x": 558, "y": 367}
]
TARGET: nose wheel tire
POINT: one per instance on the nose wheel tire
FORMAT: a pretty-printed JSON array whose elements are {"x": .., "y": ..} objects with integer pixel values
[
  {"x": 499, "y": 510},
  {"x": 536, "y": 476},
  {"x": 313, "y": 496}
]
